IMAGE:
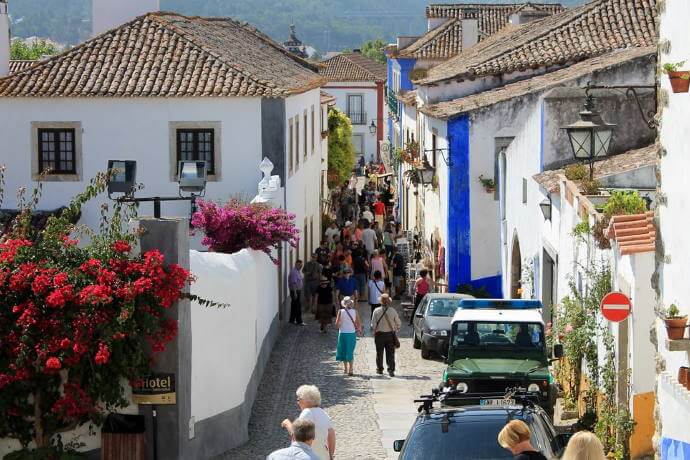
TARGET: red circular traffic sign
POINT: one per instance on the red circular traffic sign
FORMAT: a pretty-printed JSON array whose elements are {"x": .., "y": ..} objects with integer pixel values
[{"x": 616, "y": 306}]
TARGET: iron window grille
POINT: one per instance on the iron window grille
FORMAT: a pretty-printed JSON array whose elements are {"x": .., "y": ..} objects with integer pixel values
[
  {"x": 197, "y": 144},
  {"x": 57, "y": 151}
]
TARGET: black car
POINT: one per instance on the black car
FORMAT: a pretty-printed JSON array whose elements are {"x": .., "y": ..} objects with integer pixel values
[
  {"x": 431, "y": 324},
  {"x": 471, "y": 432}
]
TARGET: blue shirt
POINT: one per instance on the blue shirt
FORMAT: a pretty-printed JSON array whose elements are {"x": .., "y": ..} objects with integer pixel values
[
  {"x": 296, "y": 451},
  {"x": 346, "y": 286}
]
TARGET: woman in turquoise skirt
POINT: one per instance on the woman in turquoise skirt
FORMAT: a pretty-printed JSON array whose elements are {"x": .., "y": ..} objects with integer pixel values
[{"x": 348, "y": 324}]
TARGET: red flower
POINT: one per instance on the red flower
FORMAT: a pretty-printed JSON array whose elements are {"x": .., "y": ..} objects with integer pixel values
[
  {"x": 121, "y": 246},
  {"x": 119, "y": 336},
  {"x": 59, "y": 297},
  {"x": 95, "y": 294},
  {"x": 91, "y": 266},
  {"x": 9, "y": 249},
  {"x": 41, "y": 284},
  {"x": 103, "y": 354},
  {"x": 53, "y": 363},
  {"x": 65, "y": 343},
  {"x": 68, "y": 242},
  {"x": 60, "y": 279},
  {"x": 79, "y": 348}
]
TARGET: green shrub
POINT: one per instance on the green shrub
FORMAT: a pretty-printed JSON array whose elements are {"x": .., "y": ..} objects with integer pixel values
[
  {"x": 590, "y": 187},
  {"x": 624, "y": 203},
  {"x": 576, "y": 171}
]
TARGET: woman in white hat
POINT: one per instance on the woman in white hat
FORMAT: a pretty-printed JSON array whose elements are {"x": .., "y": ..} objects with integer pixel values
[{"x": 348, "y": 324}]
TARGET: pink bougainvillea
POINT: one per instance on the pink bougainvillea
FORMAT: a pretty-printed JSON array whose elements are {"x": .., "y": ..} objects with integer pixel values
[{"x": 235, "y": 226}]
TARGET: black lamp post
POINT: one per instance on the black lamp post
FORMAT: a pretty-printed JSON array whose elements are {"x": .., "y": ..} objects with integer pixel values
[{"x": 590, "y": 137}]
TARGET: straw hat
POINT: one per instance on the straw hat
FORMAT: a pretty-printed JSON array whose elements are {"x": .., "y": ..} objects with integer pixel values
[{"x": 347, "y": 302}]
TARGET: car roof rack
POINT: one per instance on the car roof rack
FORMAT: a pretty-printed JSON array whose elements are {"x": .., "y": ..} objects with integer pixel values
[
  {"x": 522, "y": 397},
  {"x": 501, "y": 304}
]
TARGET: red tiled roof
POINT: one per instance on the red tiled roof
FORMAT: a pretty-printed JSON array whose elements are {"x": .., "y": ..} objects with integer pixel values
[
  {"x": 169, "y": 55},
  {"x": 634, "y": 234},
  {"x": 353, "y": 67},
  {"x": 20, "y": 64},
  {"x": 573, "y": 35},
  {"x": 327, "y": 98}
]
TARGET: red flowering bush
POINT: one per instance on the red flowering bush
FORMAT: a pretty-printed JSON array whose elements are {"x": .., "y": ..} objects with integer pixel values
[
  {"x": 235, "y": 226},
  {"x": 73, "y": 320}
]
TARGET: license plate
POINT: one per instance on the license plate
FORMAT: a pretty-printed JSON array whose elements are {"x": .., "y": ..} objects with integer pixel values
[{"x": 497, "y": 402}]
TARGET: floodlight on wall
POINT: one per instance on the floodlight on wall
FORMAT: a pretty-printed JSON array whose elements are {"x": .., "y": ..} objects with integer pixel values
[
  {"x": 191, "y": 177},
  {"x": 122, "y": 175},
  {"x": 546, "y": 208}
]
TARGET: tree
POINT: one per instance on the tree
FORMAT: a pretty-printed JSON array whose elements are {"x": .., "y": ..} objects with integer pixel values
[
  {"x": 341, "y": 153},
  {"x": 373, "y": 49},
  {"x": 32, "y": 50}
]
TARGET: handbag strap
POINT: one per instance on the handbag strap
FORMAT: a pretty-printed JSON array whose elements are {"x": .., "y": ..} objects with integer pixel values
[
  {"x": 353, "y": 321},
  {"x": 388, "y": 321}
]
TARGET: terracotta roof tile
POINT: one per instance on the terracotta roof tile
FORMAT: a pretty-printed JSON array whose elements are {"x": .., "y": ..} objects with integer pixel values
[
  {"x": 445, "y": 41},
  {"x": 408, "y": 98},
  {"x": 614, "y": 164},
  {"x": 20, "y": 64},
  {"x": 169, "y": 55},
  {"x": 570, "y": 36},
  {"x": 327, "y": 98},
  {"x": 634, "y": 234},
  {"x": 353, "y": 67},
  {"x": 449, "y": 109}
]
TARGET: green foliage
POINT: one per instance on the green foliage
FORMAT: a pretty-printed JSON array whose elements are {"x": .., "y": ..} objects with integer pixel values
[
  {"x": 624, "y": 203},
  {"x": 581, "y": 229},
  {"x": 349, "y": 22},
  {"x": 373, "y": 49},
  {"x": 32, "y": 50},
  {"x": 341, "y": 153},
  {"x": 590, "y": 187},
  {"x": 487, "y": 182},
  {"x": 576, "y": 171},
  {"x": 673, "y": 66},
  {"x": 673, "y": 311}
]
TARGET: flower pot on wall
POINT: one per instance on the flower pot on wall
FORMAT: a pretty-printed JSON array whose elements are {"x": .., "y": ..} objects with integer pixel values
[
  {"x": 675, "y": 327},
  {"x": 680, "y": 81},
  {"x": 683, "y": 373}
]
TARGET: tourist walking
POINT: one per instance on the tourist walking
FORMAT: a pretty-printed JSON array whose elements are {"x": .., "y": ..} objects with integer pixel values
[
  {"x": 348, "y": 324},
  {"x": 378, "y": 263},
  {"x": 324, "y": 307},
  {"x": 584, "y": 445},
  {"x": 309, "y": 402},
  {"x": 360, "y": 268},
  {"x": 312, "y": 275},
  {"x": 296, "y": 284},
  {"x": 368, "y": 215},
  {"x": 369, "y": 239},
  {"x": 515, "y": 437},
  {"x": 398, "y": 266},
  {"x": 376, "y": 288},
  {"x": 421, "y": 288},
  {"x": 303, "y": 433},
  {"x": 379, "y": 212},
  {"x": 346, "y": 286},
  {"x": 332, "y": 234},
  {"x": 385, "y": 323}
]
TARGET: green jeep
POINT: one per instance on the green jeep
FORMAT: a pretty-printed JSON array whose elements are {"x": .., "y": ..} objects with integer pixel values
[{"x": 496, "y": 345}]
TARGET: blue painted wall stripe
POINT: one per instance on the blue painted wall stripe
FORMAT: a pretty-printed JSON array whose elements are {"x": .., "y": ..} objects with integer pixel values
[
  {"x": 672, "y": 449},
  {"x": 459, "y": 257}
]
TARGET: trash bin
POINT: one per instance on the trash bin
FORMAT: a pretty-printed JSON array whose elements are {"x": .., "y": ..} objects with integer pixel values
[{"x": 122, "y": 437}]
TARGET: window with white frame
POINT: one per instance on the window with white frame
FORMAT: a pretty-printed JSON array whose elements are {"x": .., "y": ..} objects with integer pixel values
[{"x": 56, "y": 151}]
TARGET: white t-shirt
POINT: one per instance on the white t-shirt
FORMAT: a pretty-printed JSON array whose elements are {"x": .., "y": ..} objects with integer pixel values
[
  {"x": 322, "y": 423},
  {"x": 376, "y": 290},
  {"x": 347, "y": 318},
  {"x": 369, "y": 239},
  {"x": 368, "y": 215},
  {"x": 331, "y": 233}
]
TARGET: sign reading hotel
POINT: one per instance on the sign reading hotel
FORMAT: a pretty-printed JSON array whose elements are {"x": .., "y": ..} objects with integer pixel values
[{"x": 157, "y": 388}]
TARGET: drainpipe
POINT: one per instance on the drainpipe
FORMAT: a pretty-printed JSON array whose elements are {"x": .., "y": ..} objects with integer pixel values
[{"x": 4, "y": 40}]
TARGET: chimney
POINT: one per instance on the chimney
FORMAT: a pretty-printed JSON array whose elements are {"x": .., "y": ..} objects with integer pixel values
[
  {"x": 109, "y": 14},
  {"x": 527, "y": 15},
  {"x": 4, "y": 40},
  {"x": 470, "y": 33}
]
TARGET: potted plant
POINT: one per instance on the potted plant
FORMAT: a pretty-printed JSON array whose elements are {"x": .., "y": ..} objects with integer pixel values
[
  {"x": 680, "y": 79},
  {"x": 488, "y": 184},
  {"x": 675, "y": 324}
]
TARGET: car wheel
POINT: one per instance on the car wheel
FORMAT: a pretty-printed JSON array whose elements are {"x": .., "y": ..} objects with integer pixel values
[
  {"x": 416, "y": 344},
  {"x": 426, "y": 353}
]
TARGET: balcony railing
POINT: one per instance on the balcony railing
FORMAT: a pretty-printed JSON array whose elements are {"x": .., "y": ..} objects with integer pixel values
[{"x": 357, "y": 118}]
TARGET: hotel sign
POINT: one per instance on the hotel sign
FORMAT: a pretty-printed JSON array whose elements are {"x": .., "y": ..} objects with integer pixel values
[{"x": 157, "y": 388}]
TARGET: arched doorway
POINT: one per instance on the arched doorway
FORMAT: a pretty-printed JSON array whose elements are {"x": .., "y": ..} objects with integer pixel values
[{"x": 515, "y": 269}]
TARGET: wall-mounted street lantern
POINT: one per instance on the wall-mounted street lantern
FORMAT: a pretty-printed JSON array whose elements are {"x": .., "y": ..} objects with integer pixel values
[
  {"x": 590, "y": 137},
  {"x": 122, "y": 179},
  {"x": 546, "y": 208},
  {"x": 426, "y": 173},
  {"x": 372, "y": 127}
]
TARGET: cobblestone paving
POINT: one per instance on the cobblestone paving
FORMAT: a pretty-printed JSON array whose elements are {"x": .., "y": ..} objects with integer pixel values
[{"x": 304, "y": 355}]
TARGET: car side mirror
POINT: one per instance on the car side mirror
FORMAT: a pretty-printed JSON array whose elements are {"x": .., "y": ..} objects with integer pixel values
[
  {"x": 398, "y": 445},
  {"x": 558, "y": 351},
  {"x": 419, "y": 315}
]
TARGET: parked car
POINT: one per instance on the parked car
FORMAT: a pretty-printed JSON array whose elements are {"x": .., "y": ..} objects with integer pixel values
[
  {"x": 431, "y": 324},
  {"x": 471, "y": 432}
]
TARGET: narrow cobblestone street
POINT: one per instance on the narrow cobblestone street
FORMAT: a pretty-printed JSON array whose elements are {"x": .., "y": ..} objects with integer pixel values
[{"x": 368, "y": 411}]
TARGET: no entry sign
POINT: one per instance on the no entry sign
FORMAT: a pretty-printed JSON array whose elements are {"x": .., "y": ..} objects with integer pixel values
[{"x": 616, "y": 306}]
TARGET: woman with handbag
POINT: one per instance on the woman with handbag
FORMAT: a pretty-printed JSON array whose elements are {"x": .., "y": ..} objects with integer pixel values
[
  {"x": 385, "y": 323},
  {"x": 348, "y": 324},
  {"x": 376, "y": 288}
]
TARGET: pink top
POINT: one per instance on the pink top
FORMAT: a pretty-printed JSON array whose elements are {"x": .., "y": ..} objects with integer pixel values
[
  {"x": 377, "y": 264},
  {"x": 422, "y": 286}
]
